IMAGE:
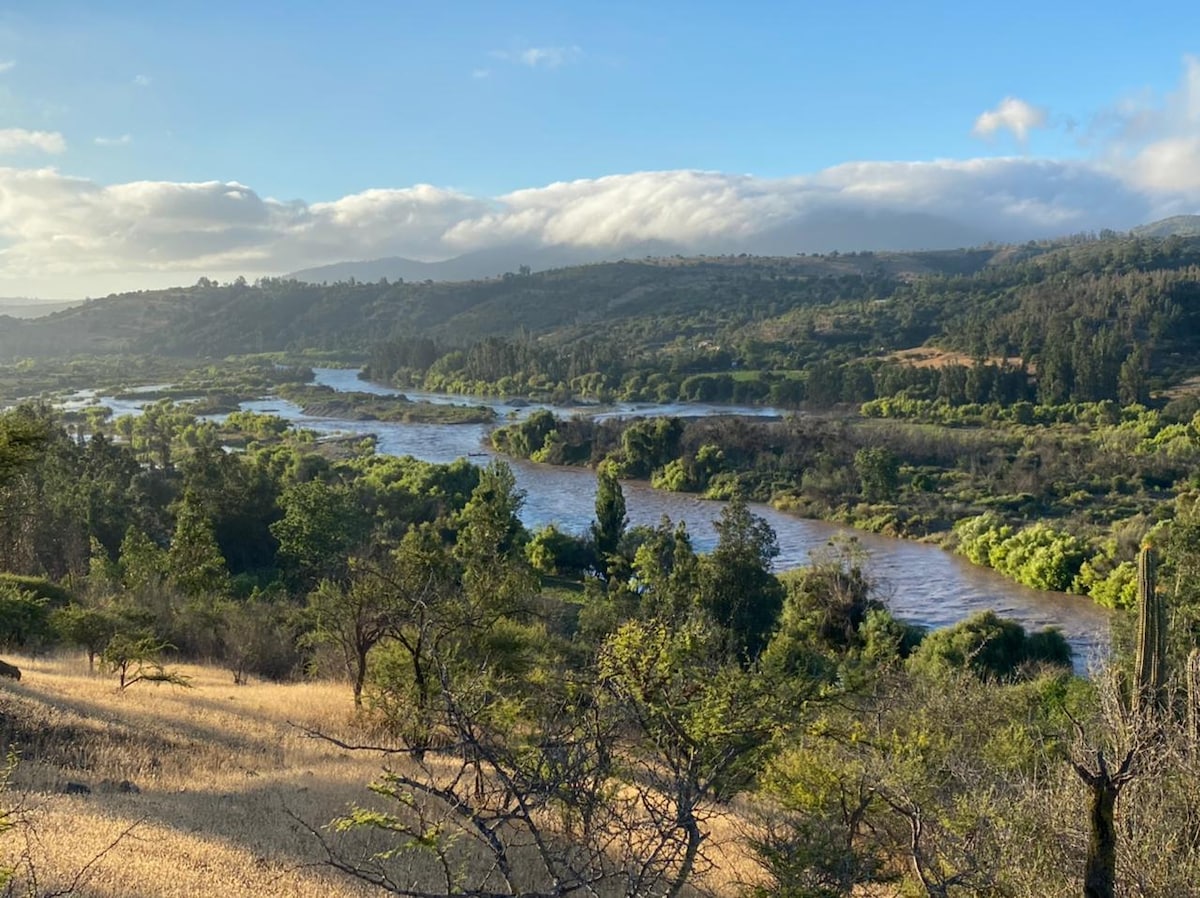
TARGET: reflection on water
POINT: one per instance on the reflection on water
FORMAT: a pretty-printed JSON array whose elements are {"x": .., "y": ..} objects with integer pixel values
[{"x": 921, "y": 583}]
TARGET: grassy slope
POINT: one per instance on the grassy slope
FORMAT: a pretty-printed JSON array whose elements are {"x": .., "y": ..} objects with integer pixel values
[{"x": 219, "y": 767}]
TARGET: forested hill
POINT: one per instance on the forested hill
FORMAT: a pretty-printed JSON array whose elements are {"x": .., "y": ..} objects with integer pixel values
[
  {"x": 1120, "y": 291},
  {"x": 275, "y": 314}
]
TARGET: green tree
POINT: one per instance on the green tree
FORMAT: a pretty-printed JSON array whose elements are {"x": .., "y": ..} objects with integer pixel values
[
  {"x": 24, "y": 617},
  {"x": 137, "y": 658},
  {"x": 322, "y": 525},
  {"x": 879, "y": 472},
  {"x": 736, "y": 584},
  {"x": 89, "y": 628},
  {"x": 490, "y": 544},
  {"x": 354, "y": 618},
  {"x": 701, "y": 725},
  {"x": 666, "y": 573},
  {"x": 194, "y": 560},
  {"x": 611, "y": 519}
]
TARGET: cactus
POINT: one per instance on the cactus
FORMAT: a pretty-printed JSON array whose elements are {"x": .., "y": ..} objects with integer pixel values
[
  {"x": 1150, "y": 665},
  {"x": 1192, "y": 676}
]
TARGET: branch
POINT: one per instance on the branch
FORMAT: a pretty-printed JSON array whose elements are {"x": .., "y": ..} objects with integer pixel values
[
  {"x": 353, "y": 746},
  {"x": 86, "y": 869}
]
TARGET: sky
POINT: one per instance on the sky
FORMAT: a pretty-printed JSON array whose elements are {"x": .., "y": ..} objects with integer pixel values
[{"x": 145, "y": 144}]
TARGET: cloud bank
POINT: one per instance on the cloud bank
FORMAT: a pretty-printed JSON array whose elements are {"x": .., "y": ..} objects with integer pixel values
[
  {"x": 64, "y": 235},
  {"x": 53, "y": 224}
]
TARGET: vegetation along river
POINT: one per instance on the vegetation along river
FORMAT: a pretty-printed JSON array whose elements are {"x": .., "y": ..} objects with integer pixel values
[{"x": 921, "y": 583}]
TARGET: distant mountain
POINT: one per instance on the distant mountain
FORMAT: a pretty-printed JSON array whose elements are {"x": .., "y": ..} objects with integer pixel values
[
  {"x": 479, "y": 265},
  {"x": 824, "y": 231},
  {"x": 1175, "y": 226},
  {"x": 23, "y": 307}
]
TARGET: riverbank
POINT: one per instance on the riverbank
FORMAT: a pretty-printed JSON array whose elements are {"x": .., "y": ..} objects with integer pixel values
[{"x": 1060, "y": 492}]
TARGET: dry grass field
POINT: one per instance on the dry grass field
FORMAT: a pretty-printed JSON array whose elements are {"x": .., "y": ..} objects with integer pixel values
[{"x": 205, "y": 781}]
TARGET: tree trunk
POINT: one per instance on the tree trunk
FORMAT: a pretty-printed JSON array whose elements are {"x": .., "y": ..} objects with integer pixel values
[
  {"x": 1100, "y": 869},
  {"x": 360, "y": 676},
  {"x": 694, "y": 837},
  {"x": 1100, "y": 872}
]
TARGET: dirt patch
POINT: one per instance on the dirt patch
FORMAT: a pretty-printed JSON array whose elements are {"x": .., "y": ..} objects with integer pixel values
[{"x": 932, "y": 357}]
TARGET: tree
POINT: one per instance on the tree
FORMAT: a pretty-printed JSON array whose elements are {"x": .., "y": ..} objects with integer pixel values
[
  {"x": 23, "y": 434},
  {"x": 89, "y": 628},
  {"x": 136, "y": 658},
  {"x": 322, "y": 525},
  {"x": 24, "y": 617},
  {"x": 598, "y": 782},
  {"x": 353, "y": 617},
  {"x": 611, "y": 519},
  {"x": 429, "y": 621},
  {"x": 879, "y": 472},
  {"x": 490, "y": 544},
  {"x": 736, "y": 584},
  {"x": 194, "y": 560},
  {"x": 666, "y": 573},
  {"x": 700, "y": 728}
]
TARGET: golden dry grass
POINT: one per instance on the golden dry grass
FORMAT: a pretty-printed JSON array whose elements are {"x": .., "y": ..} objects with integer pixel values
[
  {"x": 219, "y": 771},
  {"x": 931, "y": 357},
  {"x": 218, "y": 767}
]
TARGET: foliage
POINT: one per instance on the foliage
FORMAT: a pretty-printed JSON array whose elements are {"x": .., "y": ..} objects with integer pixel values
[
  {"x": 736, "y": 586},
  {"x": 137, "y": 658},
  {"x": 1038, "y": 555},
  {"x": 24, "y": 618},
  {"x": 611, "y": 519},
  {"x": 989, "y": 646},
  {"x": 89, "y": 628}
]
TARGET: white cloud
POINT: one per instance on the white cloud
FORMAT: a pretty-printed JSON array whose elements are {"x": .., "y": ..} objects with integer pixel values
[
  {"x": 16, "y": 140},
  {"x": 1157, "y": 139},
  {"x": 63, "y": 235},
  {"x": 52, "y": 225},
  {"x": 480, "y": 74},
  {"x": 7, "y": 65},
  {"x": 123, "y": 140},
  {"x": 1013, "y": 115},
  {"x": 541, "y": 57},
  {"x": 141, "y": 80}
]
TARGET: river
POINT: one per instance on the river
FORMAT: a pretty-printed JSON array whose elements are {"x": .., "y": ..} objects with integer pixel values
[{"x": 920, "y": 582}]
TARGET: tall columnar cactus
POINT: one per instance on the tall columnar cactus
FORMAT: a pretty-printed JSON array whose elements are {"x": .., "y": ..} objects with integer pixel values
[
  {"x": 1150, "y": 667},
  {"x": 1192, "y": 676}
]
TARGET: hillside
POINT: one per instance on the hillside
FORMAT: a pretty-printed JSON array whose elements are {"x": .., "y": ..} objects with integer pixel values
[
  {"x": 280, "y": 314},
  {"x": 1175, "y": 226},
  {"x": 1101, "y": 299},
  {"x": 207, "y": 790}
]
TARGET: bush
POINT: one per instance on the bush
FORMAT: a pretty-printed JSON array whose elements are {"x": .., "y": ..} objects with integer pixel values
[
  {"x": 557, "y": 554},
  {"x": 1038, "y": 556},
  {"x": 989, "y": 646},
  {"x": 24, "y": 618}
]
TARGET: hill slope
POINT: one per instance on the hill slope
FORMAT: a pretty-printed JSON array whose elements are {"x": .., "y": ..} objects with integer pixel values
[
  {"x": 280, "y": 314},
  {"x": 1061, "y": 306},
  {"x": 1175, "y": 226}
]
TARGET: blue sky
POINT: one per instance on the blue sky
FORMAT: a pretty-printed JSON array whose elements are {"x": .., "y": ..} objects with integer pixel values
[{"x": 312, "y": 103}]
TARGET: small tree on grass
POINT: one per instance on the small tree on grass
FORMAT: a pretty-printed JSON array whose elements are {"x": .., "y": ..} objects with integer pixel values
[
  {"x": 89, "y": 628},
  {"x": 135, "y": 658}
]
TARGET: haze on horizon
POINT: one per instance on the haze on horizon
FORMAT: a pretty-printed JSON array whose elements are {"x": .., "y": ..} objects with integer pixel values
[{"x": 146, "y": 147}]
